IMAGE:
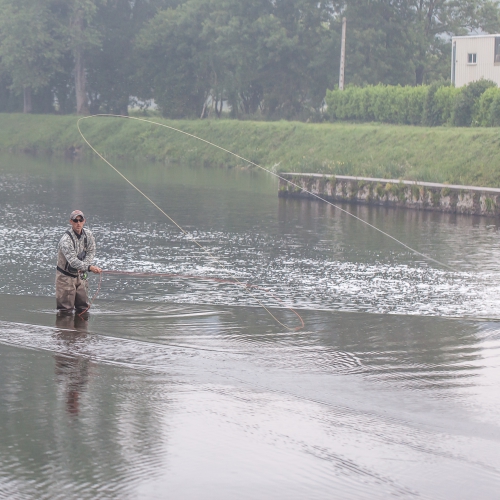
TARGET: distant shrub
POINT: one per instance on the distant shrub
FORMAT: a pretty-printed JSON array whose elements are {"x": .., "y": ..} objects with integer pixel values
[
  {"x": 334, "y": 100},
  {"x": 438, "y": 104},
  {"x": 444, "y": 102},
  {"x": 483, "y": 116},
  {"x": 367, "y": 100},
  {"x": 466, "y": 106},
  {"x": 381, "y": 103},
  {"x": 431, "y": 105},
  {"x": 350, "y": 104},
  {"x": 430, "y": 116},
  {"x": 495, "y": 110},
  {"x": 353, "y": 103},
  {"x": 414, "y": 103},
  {"x": 384, "y": 104}
]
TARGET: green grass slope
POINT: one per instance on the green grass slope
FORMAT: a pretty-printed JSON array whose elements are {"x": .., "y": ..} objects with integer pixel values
[{"x": 452, "y": 155}]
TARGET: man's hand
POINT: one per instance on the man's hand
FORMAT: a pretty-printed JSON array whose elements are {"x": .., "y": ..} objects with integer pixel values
[{"x": 95, "y": 269}]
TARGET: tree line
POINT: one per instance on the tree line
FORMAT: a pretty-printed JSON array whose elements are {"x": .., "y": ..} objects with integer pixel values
[{"x": 269, "y": 58}]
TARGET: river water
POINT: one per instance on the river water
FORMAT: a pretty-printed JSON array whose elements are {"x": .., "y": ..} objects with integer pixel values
[{"x": 178, "y": 387}]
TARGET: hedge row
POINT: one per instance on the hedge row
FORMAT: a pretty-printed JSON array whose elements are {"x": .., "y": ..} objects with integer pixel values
[{"x": 477, "y": 104}]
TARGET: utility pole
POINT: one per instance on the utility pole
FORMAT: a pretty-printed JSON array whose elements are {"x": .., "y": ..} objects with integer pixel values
[{"x": 342, "y": 56}]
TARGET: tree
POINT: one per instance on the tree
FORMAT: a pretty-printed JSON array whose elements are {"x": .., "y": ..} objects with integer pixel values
[
  {"x": 257, "y": 55},
  {"x": 296, "y": 69},
  {"x": 82, "y": 35},
  {"x": 408, "y": 41},
  {"x": 437, "y": 18},
  {"x": 174, "y": 61},
  {"x": 379, "y": 44},
  {"x": 30, "y": 45},
  {"x": 271, "y": 56},
  {"x": 112, "y": 66}
]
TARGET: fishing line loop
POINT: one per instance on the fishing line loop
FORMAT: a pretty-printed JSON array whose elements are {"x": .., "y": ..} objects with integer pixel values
[
  {"x": 288, "y": 181},
  {"x": 186, "y": 233}
]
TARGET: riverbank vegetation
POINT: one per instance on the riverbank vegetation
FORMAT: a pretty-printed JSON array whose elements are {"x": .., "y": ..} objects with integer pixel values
[
  {"x": 475, "y": 105},
  {"x": 259, "y": 59},
  {"x": 435, "y": 154}
]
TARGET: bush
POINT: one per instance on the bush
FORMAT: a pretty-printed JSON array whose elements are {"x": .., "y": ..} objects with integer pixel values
[
  {"x": 369, "y": 102},
  {"x": 333, "y": 101},
  {"x": 432, "y": 105},
  {"x": 415, "y": 98},
  {"x": 349, "y": 104},
  {"x": 432, "y": 115},
  {"x": 379, "y": 103},
  {"x": 352, "y": 103},
  {"x": 495, "y": 110},
  {"x": 483, "y": 113},
  {"x": 385, "y": 107},
  {"x": 466, "y": 105},
  {"x": 444, "y": 102}
]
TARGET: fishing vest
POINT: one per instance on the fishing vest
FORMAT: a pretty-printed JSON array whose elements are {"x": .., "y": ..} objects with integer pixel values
[{"x": 69, "y": 270}]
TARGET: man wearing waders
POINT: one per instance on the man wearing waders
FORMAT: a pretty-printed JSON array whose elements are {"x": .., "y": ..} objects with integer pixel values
[{"x": 76, "y": 252}]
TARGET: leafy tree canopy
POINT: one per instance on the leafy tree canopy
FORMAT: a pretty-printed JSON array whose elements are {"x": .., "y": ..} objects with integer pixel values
[{"x": 275, "y": 58}]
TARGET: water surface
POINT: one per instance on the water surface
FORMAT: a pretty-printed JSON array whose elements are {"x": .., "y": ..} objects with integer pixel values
[{"x": 186, "y": 388}]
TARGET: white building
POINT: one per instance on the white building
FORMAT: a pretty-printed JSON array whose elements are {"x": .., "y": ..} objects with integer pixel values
[{"x": 474, "y": 58}]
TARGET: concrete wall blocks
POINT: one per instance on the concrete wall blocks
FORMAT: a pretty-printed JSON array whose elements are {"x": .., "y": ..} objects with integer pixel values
[{"x": 389, "y": 192}]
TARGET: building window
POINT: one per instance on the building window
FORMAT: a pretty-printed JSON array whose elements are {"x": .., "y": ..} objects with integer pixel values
[
  {"x": 472, "y": 58},
  {"x": 497, "y": 49}
]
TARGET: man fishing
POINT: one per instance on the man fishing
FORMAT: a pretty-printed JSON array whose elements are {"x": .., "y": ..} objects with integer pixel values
[{"x": 76, "y": 251}]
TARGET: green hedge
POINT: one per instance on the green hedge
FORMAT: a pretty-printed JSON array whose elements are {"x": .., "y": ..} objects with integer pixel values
[{"x": 477, "y": 104}]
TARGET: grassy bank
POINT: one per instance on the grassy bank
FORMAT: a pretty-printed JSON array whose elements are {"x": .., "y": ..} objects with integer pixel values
[{"x": 439, "y": 154}]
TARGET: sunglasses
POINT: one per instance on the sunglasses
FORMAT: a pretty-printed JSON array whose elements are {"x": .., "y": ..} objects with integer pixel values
[{"x": 77, "y": 220}]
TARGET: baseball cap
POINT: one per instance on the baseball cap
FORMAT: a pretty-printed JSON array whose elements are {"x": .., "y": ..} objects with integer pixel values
[{"x": 76, "y": 213}]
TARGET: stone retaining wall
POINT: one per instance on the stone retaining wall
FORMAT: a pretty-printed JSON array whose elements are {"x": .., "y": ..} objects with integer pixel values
[{"x": 394, "y": 193}]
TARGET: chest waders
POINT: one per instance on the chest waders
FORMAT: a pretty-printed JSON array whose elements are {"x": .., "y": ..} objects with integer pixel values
[{"x": 69, "y": 270}]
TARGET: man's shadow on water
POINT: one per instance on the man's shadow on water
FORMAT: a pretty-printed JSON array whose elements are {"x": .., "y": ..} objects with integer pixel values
[{"x": 71, "y": 369}]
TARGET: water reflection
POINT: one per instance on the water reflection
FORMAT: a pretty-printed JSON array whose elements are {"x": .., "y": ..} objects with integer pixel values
[
  {"x": 75, "y": 322},
  {"x": 72, "y": 372},
  {"x": 418, "y": 353},
  {"x": 72, "y": 428}
]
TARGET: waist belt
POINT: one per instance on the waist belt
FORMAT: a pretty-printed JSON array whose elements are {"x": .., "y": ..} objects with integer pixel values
[{"x": 66, "y": 273}]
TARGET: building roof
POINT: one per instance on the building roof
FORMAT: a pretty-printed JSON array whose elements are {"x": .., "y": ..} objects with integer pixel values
[{"x": 476, "y": 36}]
